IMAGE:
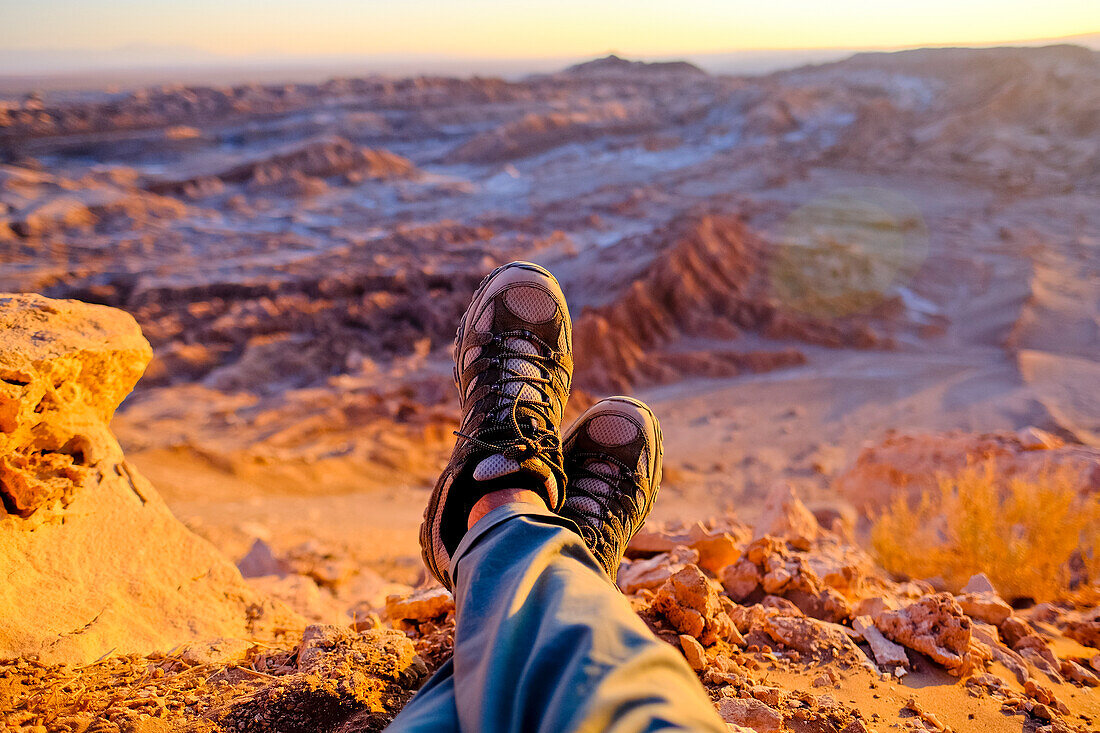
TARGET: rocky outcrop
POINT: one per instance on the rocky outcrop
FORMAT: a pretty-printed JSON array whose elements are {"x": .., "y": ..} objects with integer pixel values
[
  {"x": 64, "y": 368},
  {"x": 709, "y": 278},
  {"x": 95, "y": 560},
  {"x": 898, "y": 466},
  {"x": 313, "y": 160}
]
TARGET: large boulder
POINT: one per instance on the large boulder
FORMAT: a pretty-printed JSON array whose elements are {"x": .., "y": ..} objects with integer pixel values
[{"x": 93, "y": 559}]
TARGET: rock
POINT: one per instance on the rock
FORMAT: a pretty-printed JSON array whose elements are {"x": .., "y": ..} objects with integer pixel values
[
  {"x": 687, "y": 601},
  {"x": 979, "y": 583},
  {"x": 214, "y": 651},
  {"x": 1016, "y": 664},
  {"x": 787, "y": 517},
  {"x": 649, "y": 574},
  {"x": 113, "y": 570},
  {"x": 1086, "y": 632},
  {"x": 888, "y": 655},
  {"x": 873, "y": 606},
  {"x": 420, "y": 606},
  {"x": 693, "y": 652},
  {"x": 692, "y": 606},
  {"x": 985, "y": 606},
  {"x": 934, "y": 625},
  {"x": 752, "y": 714},
  {"x": 1015, "y": 628},
  {"x": 64, "y": 368},
  {"x": 717, "y": 551},
  {"x": 259, "y": 560},
  {"x": 301, "y": 594},
  {"x": 1074, "y": 671},
  {"x": 741, "y": 579},
  {"x": 818, "y": 639},
  {"x": 368, "y": 588}
]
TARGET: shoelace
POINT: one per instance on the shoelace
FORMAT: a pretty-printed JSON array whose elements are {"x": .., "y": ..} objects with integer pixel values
[
  {"x": 540, "y": 442},
  {"x": 621, "y": 505}
]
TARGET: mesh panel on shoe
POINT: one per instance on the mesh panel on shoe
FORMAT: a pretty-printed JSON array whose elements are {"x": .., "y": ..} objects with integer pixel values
[
  {"x": 439, "y": 548},
  {"x": 612, "y": 430},
  {"x": 485, "y": 320},
  {"x": 584, "y": 507},
  {"x": 643, "y": 461},
  {"x": 594, "y": 487},
  {"x": 471, "y": 353},
  {"x": 471, "y": 387},
  {"x": 530, "y": 304}
]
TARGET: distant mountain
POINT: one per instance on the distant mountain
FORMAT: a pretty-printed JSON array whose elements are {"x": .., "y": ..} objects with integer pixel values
[{"x": 614, "y": 65}]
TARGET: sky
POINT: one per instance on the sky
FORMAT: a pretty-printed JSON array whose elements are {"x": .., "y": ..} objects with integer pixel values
[{"x": 519, "y": 29}]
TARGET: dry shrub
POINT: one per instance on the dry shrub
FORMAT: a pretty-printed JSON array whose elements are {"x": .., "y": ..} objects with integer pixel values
[{"x": 1035, "y": 537}]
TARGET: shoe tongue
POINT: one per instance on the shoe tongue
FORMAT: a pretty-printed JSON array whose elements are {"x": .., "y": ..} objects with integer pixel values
[
  {"x": 495, "y": 466},
  {"x": 520, "y": 367}
]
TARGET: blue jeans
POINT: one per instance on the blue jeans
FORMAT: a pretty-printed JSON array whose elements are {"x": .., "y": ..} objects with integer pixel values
[{"x": 545, "y": 642}]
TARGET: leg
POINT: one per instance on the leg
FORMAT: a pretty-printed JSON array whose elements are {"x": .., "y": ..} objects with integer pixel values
[
  {"x": 544, "y": 642},
  {"x": 432, "y": 710}
]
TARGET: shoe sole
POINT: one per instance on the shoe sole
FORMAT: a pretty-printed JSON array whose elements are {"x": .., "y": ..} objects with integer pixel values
[
  {"x": 439, "y": 494},
  {"x": 658, "y": 466}
]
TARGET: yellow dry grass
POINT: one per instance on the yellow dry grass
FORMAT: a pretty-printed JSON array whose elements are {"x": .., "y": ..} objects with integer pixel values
[{"x": 1034, "y": 537}]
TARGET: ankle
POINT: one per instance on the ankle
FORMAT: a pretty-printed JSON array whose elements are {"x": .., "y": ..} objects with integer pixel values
[{"x": 499, "y": 498}]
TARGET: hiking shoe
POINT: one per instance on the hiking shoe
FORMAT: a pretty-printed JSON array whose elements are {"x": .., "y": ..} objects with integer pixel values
[
  {"x": 513, "y": 366},
  {"x": 613, "y": 458}
]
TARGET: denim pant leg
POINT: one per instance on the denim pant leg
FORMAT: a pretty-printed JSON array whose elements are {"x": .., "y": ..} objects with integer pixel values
[
  {"x": 545, "y": 642},
  {"x": 432, "y": 709}
]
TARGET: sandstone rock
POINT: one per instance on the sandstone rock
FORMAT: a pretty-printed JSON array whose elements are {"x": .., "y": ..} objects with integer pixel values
[
  {"x": 786, "y": 516},
  {"x": 751, "y": 713},
  {"x": 1016, "y": 664},
  {"x": 741, "y": 579},
  {"x": 261, "y": 561},
  {"x": 112, "y": 569},
  {"x": 716, "y": 551},
  {"x": 692, "y": 606},
  {"x": 1074, "y": 671},
  {"x": 687, "y": 601},
  {"x": 420, "y": 606},
  {"x": 873, "y": 606},
  {"x": 1086, "y": 632},
  {"x": 934, "y": 625},
  {"x": 888, "y": 655},
  {"x": 985, "y": 606},
  {"x": 1015, "y": 628},
  {"x": 214, "y": 651},
  {"x": 819, "y": 639},
  {"x": 979, "y": 583},
  {"x": 1032, "y": 438},
  {"x": 300, "y": 594},
  {"x": 693, "y": 652},
  {"x": 650, "y": 573},
  {"x": 64, "y": 368}
]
